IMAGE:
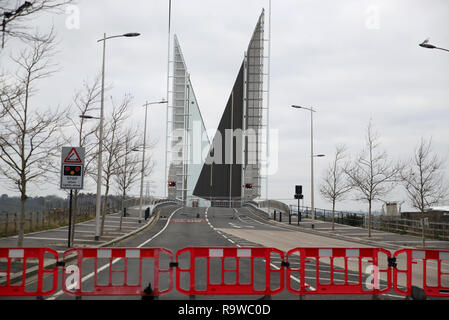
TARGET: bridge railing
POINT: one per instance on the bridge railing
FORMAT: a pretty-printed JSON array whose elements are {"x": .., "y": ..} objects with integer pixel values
[{"x": 436, "y": 230}]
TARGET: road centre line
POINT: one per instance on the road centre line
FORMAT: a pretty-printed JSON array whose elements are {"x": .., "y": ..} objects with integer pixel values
[{"x": 245, "y": 222}]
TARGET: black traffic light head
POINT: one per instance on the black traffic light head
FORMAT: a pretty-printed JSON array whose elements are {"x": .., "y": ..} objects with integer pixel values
[
  {"x": 172, "y": 183},
  {"x": 248, "y": 186},
  {"x": 298, "y": 190},
  {"x": 72, "y": 170}
]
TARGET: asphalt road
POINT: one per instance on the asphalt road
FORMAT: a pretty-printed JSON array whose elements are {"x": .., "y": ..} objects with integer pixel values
[{"x": 178, "y": 228}]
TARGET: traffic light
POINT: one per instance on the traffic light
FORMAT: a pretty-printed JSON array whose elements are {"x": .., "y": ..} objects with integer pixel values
[
  {"x": 248, "y": 186},
  {"x": 298, "y": 192},
  {"x": 172, "y": 184},
  {"x": 72, "y": 171}
]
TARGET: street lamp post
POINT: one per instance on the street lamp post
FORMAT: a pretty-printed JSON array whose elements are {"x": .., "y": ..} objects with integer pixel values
[
  {"x": 312, "y": 203},
  {"x": 426, "y": 44},
  {"x": 100, "y": 139},
  {"x": 143, "y": 154}
]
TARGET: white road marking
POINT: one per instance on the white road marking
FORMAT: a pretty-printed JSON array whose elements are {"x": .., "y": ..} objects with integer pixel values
[
  {"x": 238, "y": 245},
  {"x": 90, "y": 275}
]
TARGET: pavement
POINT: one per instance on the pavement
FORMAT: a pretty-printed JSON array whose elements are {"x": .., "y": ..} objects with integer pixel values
[
  {"x": 378, "y": 238},
  {"x": 57, "y": 239},
  {"x": 84, "y": 233}
]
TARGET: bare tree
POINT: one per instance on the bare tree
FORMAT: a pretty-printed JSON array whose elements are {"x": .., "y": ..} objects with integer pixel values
[
  {"x": 372, "y": 174},
  {"x": 85, "y": 101},
  {"x": 16, "y": 16},
  {"x": 10, "y": 94},
  {"x": 128, "y": 162},
  {"x": 112, "y": 144},
  {"x": 335, "y": 186},
  {"x": 423, "y": 179},
  {"x": 29, "y": 138}
]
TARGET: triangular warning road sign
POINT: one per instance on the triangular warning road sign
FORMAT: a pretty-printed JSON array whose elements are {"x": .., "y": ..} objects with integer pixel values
[{"x": 73, "y": 157}]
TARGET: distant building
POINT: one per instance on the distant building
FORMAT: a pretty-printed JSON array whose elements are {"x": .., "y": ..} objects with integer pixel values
[
  {"x": 435, "y": 214},
  {"x": 390, "y": 209}
]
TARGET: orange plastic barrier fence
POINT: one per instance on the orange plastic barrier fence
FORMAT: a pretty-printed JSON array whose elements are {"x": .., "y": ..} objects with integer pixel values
[
  {"x": 345, "y": 271},
  {"x": 433, "y": 265},
  {"x": 121, "y": 264},
  {"x": 18, "y": 260},
  {"x": 244, "y": 280}
]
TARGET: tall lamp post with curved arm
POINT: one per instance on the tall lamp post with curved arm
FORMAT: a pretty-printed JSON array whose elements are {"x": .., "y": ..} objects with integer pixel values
[
  {"x": 146, "y": 105},
  {"x": 312, "y": 155},
  {"x": 100, "y": 139}
]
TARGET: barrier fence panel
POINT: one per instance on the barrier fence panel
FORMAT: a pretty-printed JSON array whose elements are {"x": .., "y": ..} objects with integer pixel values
[
  {"x": 23, "y": 260},
  {"x": 425, "y": 269},
  {"x": 338, "y": 271},
  {"x": 224, "y": 271},
  {"x": 118, "y": 271},
  {"x": 229, "y": 270}
]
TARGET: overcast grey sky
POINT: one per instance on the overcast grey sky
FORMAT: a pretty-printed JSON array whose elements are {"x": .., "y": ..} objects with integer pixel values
[{"x": 351, "y": 60}]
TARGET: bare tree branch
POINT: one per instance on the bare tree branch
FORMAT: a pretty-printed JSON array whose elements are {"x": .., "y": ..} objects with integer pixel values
[
  {"x": 334, "y": 186},
  {"x": 423, "y": 179},
  {"x": 29, "y": 139},
  {"x": 17, "y": 15},
  {"x": 372, "y": 175},
  {"x": 112, "y": 145}
]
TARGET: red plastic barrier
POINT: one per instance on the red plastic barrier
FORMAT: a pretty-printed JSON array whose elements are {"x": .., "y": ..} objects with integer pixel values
[
  {"x": 9, "y": 256},
  {"x": 433, "y": 262},
  {"x": 238, "y": 287},
  {"x": 346, "y": 278},
  {"x": 73, "y": 277}
]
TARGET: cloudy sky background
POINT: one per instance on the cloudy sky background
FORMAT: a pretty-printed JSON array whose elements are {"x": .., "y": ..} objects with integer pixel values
[{"x": 351, "y": 60}]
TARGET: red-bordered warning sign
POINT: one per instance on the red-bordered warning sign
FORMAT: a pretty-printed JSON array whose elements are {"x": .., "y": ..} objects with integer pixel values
[
  {"x": 72, "y": 168},
  {"x": 73, "y": 157}
]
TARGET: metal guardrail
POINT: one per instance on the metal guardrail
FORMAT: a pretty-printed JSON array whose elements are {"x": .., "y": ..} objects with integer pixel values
[
  {"x": 164, "y": 204},
  {"x": 436, "y": 230},
  {"x": 255, "y": 208},
  {"x": 275, "y": 205}
]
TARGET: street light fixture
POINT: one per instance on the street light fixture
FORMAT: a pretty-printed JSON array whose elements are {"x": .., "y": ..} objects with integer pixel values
[
  {"x": 143, "y": 153},
  {"x": 83, "y": 116},
  {"x": 427, "y": 45},
  {"x": 10, "y": 15},
  {"x": 100, "y": 140},
  {"x": 311, "y": 159}
]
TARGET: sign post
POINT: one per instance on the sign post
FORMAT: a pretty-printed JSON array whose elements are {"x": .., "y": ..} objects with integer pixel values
[
  {"x": 299, "y": 196},
  {"x": 72, "y": 174}
]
